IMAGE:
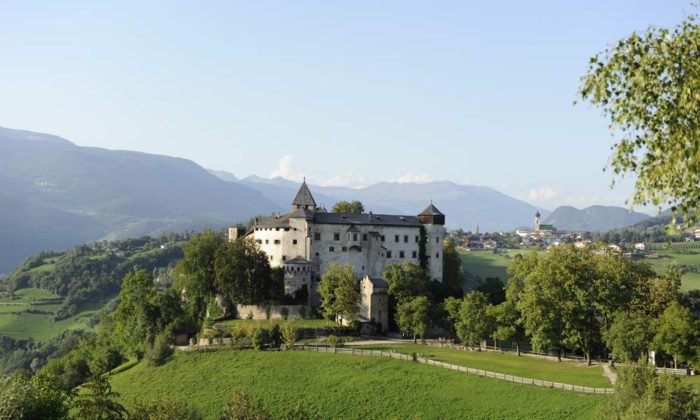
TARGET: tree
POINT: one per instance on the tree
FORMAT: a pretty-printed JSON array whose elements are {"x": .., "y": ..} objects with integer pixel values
[
  {"x": 629, "y": 336},
  {"x": 452, "y": 273},
  {"x": 646, "y": 84},
  {"x": 506, "y": 324},
  {"x": 289, "y": 335},
  {"x": 474, "y": 323},
  {"x": 163, "y": 409},
  {"x": 677, "y": 333},
  {"x": 32, "y": 398},
  {"x": 406, "y": 281},
  {"x": 641, "y": 393},
  {"x": 98, "y": 401},
  {"x": 243, "y": 274},
  {"x": 196, "y": 271},
  {"x": 413, "y": 317},
  {"x": 242, "y": 407},
  {"x": 348, "y": 207},
  {"x": 494, "y": 289},
  {"x": 135, "y": 320},
  {"x": 160, "y": 351},
  {"x": 339, "y": 293}
]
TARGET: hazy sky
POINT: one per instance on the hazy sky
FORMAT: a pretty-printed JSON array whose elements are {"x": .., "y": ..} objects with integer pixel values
[{"x": 343, "y": 92}]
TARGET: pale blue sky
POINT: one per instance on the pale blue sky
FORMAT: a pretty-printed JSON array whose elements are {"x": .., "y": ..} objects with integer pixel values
[{"x": 346, "y": 93}]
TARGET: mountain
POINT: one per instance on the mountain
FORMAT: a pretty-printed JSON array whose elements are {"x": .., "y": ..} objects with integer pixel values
[
  {"x": 54, "y": 194},
  {"x": 594, "y": 218},
  {"x": 466, "y": 206}
]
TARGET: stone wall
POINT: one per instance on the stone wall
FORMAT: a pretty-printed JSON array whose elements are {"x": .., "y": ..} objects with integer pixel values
[{"x": 260, "y": 312}]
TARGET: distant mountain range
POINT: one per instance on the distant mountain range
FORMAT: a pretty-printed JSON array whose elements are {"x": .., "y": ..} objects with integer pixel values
[
  {"x": 594, "y": 218},
  {"x": 54, "y": 194}
]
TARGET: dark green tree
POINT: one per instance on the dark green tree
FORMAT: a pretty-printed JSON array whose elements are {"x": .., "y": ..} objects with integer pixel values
[
  {"x": 348, "y": 207},
  {"x": 98, "y": 401},
  {"x": 413, "y": 317},
  {"x": 340, "y": 297}
]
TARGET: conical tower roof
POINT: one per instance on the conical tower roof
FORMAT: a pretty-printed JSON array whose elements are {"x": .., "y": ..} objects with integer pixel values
[
  {"x": 304, "y": 199},
  {"x": 431, "y": 210}
]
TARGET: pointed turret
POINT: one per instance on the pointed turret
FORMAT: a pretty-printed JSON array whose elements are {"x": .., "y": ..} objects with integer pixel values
[
  {"x": 304, "y": 199},
  {"x": 432, "y": 216}
]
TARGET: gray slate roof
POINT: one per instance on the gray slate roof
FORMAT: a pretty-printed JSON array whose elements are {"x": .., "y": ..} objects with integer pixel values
[
  {"x": 365, "y": 219},
  {"x": 379, "y": 283},
  {"x": 431, "y": 210},
  {"x": 298, "y": 260},
  {"x": 304, "y": 197}
]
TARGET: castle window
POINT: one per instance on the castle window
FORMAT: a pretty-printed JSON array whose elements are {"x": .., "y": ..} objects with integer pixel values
[
  {"x": 417, "y": 238},
  {"x": 317, "y": 236},
  {"x": 277, "y": 229},
  {"x": 383, "y": 238},
  {"x": 336, "y": 236},
  {"x": 388, "y": 254},
  {"x": 331, "y": 249},
  {"x": 267, "y": 241},
  {"x": 277, "y": 241},
  {"x": 396, "y": 238},
  {"x": 437, "y": 255},
  {"x": 258, "y": 241},
  {"x": 272, "y": 257},
  {"x": 405, "y": 239},
  {"x": 287, "y": 229},
  {"x": 317, "y": 254},
  {"x": 364, "y": 236},
  {"x": 284, "y": 258},
  {"x": 437, "y": 240},
  {"x": 294, "y": 241},
  {"x": 401, "y": 254},
  {"x": 415, "y": 254},
  {"x": 354, "y": 236},
  {"x": 345, "y": 249}
]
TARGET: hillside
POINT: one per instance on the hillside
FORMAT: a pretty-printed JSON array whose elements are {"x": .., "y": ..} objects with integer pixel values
[
  {"x": 466, "y": 206},
  {"x": 344, "y": 386},
  {"x": 594, "y": 218},
  {"x": 56, "y": 194}
]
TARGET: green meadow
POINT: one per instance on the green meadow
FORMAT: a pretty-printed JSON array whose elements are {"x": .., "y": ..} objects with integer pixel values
[
  {"x": 344, "y": 386},
  {"x": 568, "y": 372},
  {"x": 15, "y": 322}
]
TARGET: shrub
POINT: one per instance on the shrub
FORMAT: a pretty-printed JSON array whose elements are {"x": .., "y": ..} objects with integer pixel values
[
  {"x": 275, "y": 336},
  {"x": 163, "y": 409},
  {"x": 159, "y": 352},
  {"x": 289, "y": 335},
  {"x": 261, "y": 338},
  {"x": 250, "y": 315},
  {"x": 243, "y": 407},
  {"x": 332, "y": 341}
]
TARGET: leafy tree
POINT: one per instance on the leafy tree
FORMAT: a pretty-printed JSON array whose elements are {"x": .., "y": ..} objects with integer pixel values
[
  {"x": 413, "y": 317},
  {"x": 506, "y": 319},
  {"x": 160, "y": 351},
  {"x": 242, "y": 407},
  {"x": 640, "y": 393},
  {"x": 243, "y": 274},
  {"x": 339, "y": 293},
  {"x": 32, "y": 398},
  {"x": 196, "y": 271},
  {"x": 348, "y": 207},
  {"x": 629, "y": 336},
  {"x": 474, "y": 323},
  {"x": 677, "y": 333},
  {"x": 163, "y": 409},
  {"x": 452, "y": 273},
  {"x": 494, "y": 289},
  {"x": 98, "y": 401},
  {"x": 406, "y": 281},
  {"x": 135, "y": 320},
  {"x": 647, "y": 85}
]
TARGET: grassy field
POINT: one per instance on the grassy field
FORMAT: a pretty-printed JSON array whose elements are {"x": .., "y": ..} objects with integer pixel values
[
  {"x": 344, "y": 386},
  {"x": 487, "y": 264},
  {"x": 39, "y": 326},
  {"x": 528, "y": 367}
]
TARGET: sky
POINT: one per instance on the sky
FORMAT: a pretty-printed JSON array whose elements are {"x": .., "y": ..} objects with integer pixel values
[{"x": 343, "y": 93}]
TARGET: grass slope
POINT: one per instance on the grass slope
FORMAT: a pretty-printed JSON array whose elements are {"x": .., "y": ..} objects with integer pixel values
[
  {"x": 528, "y": 367},
  {"x": 344, "y": 386},
  {"x": 39, "y": 326},
  {"x": 690, "y": 280}
]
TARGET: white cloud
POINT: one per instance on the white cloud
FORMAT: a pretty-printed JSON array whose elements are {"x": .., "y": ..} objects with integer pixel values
[
  {"x": 542, "y": 194},
  {"x": 284, "y": 168},
  {"x": 414, "y": 178},
  {"x": 345, "y": 180}
]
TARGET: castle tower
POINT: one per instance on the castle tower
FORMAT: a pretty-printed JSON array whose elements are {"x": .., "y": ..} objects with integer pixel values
[
  {"x": 304, "y": 199},
  {"x": 434, "y": 223},
  {"x": 537, "y": 221}
]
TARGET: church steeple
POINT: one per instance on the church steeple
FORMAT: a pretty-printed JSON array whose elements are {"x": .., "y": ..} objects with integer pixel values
[{"x": 304, "y": 199}]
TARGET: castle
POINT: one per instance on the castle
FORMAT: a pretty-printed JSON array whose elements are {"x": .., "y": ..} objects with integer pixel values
[{"x": 308, "y": 239}]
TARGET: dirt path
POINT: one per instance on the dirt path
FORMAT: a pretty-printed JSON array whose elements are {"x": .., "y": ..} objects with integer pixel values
[{"x": 607, "y": 372}]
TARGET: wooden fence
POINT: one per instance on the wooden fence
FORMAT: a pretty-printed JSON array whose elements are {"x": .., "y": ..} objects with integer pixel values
[{"x": 462, "y": 369}]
